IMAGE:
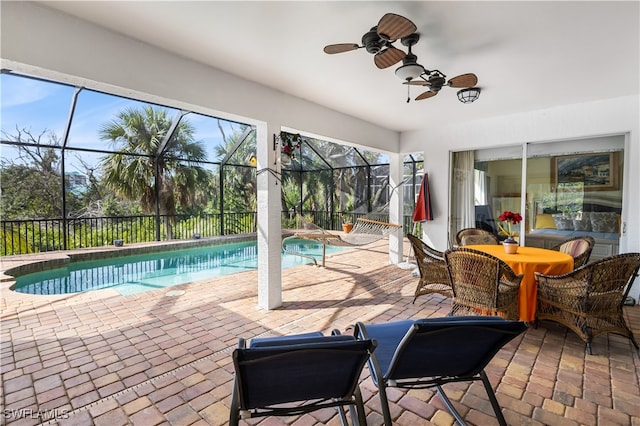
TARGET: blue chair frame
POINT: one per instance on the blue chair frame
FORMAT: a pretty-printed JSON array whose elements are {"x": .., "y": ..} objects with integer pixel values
[
  {"x": 432, "y": 352},
  {"x": 292, "y": 375}
]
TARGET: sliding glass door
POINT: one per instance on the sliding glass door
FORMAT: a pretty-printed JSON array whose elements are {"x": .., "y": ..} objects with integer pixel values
[
  {"x": 571, "y": 188},
  {"x": 574, "y": 188},
  {"x": 484, "y": 185}
]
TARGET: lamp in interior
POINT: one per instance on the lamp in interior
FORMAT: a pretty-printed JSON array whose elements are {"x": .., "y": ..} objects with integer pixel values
[{"x": 468, "y": 95}]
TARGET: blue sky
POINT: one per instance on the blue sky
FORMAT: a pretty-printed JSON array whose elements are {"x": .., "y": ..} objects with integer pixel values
[{"x": 39, "y": 105}]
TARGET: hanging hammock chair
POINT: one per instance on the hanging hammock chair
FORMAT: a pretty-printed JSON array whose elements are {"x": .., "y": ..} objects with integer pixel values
[{"x": 364, "y": 232}]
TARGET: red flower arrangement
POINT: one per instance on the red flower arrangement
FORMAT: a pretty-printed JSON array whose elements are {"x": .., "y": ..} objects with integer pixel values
[
  {"x": 509, "y": 218},
  {"x": 290, "y": 142}
]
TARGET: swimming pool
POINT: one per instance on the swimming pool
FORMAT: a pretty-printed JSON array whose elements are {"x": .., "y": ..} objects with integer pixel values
[{"x": 142, "y": 272}]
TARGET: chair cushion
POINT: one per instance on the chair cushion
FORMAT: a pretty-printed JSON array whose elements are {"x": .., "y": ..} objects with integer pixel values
[{"x": 575, "y": 247}]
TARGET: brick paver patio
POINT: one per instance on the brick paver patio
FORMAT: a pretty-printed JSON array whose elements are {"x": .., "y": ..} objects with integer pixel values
[{"x": 154, "y": 359}]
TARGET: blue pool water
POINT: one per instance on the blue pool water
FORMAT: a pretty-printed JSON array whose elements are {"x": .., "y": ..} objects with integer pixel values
[{"x": 139, "y": 273}]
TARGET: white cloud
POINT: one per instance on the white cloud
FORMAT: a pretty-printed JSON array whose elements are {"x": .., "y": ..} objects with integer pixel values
[{"x": 21, "y": 91}]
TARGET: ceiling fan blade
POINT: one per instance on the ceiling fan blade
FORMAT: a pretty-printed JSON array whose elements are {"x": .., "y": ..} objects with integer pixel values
[
  {"x": 426, "y": 95},
  {"x": 395, "y": 26},
  {"x": 417, "y": 83},
  {"x": 339, "y": 48},
  {"x": 464, "y": 80},
  {"x": 388, "y": 57}
]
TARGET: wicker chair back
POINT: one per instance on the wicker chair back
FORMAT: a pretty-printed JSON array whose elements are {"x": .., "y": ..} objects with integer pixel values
[
  {"x": 482, "y": 284},
  {"x": 434, "y": 277},
  {"x": 579, "y": 248},
  {"x": 470, "y": 231},
  {"x": 589, "y": 299}
]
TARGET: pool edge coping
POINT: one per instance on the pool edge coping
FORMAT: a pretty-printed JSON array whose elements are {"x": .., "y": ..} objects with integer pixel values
[{"x": 38, "y": 262}]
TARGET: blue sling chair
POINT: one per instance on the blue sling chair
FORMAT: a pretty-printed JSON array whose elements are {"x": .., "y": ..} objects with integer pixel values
[
  {"x": 292, "y": 375},
  {"x": 432, "y": 352}
]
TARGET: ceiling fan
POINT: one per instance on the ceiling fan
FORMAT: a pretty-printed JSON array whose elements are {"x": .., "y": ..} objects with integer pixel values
[
  {"x": 415, "y": 74},
  {"x": 435, "y": 80},
  {"x": 379, "y": 40}
]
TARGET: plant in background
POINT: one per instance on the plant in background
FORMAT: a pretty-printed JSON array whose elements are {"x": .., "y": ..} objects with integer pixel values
[
  {"x": 290, "y": 142},
  {"x": 509, "y": 218}
]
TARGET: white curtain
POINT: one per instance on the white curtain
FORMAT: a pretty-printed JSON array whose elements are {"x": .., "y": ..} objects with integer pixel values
[
  {"x": 481, "y": 190},
  {"x": 462, "y": 193}
]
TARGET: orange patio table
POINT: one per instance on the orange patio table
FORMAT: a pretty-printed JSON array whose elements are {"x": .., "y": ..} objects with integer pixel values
[{"x": 527, "y": 261}]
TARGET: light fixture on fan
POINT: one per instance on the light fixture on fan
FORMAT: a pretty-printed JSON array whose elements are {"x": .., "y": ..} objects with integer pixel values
[
  {"x": 468, "y": 95},
  {"x": 410, "y": 68},
  {"x": 409, "y": 71}
]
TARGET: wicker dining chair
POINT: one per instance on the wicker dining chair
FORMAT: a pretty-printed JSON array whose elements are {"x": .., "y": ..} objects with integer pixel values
[
  {"x": 434, "y": 277},
  {"x": 482, "y": 284},
  {"x": 479, "y": 239},
  {"x": 589, "y": 299},
  {"x": 470, "y": 231},
  {"x": 578, "y": 247}
]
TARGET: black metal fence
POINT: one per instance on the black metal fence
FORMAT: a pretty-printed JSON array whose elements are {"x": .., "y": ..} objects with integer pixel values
[{"x": 41, "y": 235}]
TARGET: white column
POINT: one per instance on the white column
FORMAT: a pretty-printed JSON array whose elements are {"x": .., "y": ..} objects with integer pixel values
[
  {"x": 395, "y": 207},
  {"x": 269, "y": 223}
]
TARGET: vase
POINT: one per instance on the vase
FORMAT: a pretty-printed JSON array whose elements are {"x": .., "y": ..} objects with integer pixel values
[
  {"x": 510, "y": 246},
  {"x": 347, "y": 227}
]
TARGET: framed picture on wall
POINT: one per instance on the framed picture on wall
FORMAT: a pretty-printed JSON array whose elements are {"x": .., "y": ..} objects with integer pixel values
[{"x": 597, "y": 172}]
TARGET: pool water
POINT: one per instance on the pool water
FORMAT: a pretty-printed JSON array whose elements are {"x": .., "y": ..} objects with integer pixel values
[{"x": 138, "y": 273}]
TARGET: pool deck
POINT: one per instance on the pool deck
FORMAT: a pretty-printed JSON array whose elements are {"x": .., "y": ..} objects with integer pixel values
[{"x": 99, "y": 358}]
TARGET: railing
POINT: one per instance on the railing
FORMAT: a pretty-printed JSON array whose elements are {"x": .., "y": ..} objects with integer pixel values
[{"x": 41, "y": 235}]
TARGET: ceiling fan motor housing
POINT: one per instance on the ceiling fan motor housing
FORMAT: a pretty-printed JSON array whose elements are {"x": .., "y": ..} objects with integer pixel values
[
  {"x": 410, "y": 59},
  {"x": 436, "y": 82},
  {"x": 372, "y": 41}
]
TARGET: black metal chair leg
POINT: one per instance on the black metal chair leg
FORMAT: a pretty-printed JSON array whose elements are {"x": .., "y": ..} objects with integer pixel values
[
  {"x": 234, "y": 413},
  {"x": 343, "y": 416},
  {"x": 384, "y": 404},
  {"x": 359, "y": 409},
  {"x": 493, "y": 399},
  {"x": 450, "y": 406}
]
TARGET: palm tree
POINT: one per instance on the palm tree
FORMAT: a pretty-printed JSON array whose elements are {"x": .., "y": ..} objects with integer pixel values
[
  {"x": 240, "y": 192},
  {"x": 140, "y": 172}
]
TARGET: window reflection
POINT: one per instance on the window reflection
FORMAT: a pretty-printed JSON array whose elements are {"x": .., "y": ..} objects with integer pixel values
[{"x": 573, "y": 188}]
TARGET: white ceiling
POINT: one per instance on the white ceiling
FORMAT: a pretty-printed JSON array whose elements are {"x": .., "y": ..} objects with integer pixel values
[{"x": 527, "y": 55}]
